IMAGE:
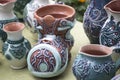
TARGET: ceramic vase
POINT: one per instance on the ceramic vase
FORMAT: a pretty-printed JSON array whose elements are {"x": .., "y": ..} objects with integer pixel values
[
  {"x": 19, "y": 8},
  {"x": 57, "y": 19},
  {"x": 110, "y": 33},
  {"x": 94, "y": 18},
  {"x": 6, "y": 15},
  {"x": 29, "y": 10},
  {"x": 95, "y": 62},
  {"x": 16, "y": 47},
  {"x": 49, "y": 57}
]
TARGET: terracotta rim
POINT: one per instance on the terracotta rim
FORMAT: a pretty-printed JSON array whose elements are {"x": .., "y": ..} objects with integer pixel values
[
  {"x": 37, "y": 12},
  {"x": 6, "y": 1},
  {"x": 96, "y": 50},
  {"x": 13, "y": 27},
  {"x": 113, "y": 6}
]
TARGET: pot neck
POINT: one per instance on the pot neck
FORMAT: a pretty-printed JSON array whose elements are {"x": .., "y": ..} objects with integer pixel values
[
  {"x": 15, "y": 36},
  {"x": 99, "y": 4},
  {"x": 6, "y": 11},
  {"x": 41, "y": 2},
  {"x": 113, "y": 16},
  {"x": 113, "y": 9}
]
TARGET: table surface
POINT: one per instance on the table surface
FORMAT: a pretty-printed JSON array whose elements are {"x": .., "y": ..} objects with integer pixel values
[{"x": 6, "y": 73}]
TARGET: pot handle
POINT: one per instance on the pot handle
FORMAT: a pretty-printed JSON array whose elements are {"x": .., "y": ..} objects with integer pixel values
[{"x": 118, "y": 64}]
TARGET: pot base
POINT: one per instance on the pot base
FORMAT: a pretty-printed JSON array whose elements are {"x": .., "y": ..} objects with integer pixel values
[{"x": 19, "y": 67}]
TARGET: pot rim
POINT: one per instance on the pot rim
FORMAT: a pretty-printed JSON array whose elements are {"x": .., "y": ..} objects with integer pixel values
[
  {"x": 54, "y": 5},
  {"x": 96, "y": 47},
  {"x": 108, "y": 8},
  {"x": 19, "y": 25}
]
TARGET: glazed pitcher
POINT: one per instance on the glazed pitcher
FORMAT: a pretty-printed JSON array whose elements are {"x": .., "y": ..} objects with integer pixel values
[
  {"x": 6, "y": 15},
  {"x": 96, "y": 62},
  {"x": 94, "y": 18},
  {"x": 110, "y": 33}
]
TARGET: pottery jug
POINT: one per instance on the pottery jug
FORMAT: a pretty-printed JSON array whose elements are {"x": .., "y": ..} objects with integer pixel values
[
  {"x": 19, "y": 8},
  {"x": 49, "y": 57},
  {"x": 29, "y": 10},
  {"x": 95, "y": 62},
  {"x": 110, "y": 33},
  {"x": 94, "y": 18},
  {"x": 16, "y": 47},
  {"x": 6, "y": 15},
  {"x": 57, "y": 19}
]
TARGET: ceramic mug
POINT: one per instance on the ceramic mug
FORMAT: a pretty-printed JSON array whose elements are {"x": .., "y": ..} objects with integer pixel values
[{"x": 95, "y": 62}]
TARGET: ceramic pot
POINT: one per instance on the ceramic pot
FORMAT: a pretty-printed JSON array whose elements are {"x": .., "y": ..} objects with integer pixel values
[
  {"x": 6, "y": 15},
  {"x": 19, "y": 8},
  {"x": 110, "y": 33},
  {"x": 29, "y": 10},
  {"x": 95, "y": 62},
  {"x": 94, "y": 18},
  {"x": 16, "y": 47},
  {"x": 49, "y": 57},
  {"x": 57, "y": 19}
]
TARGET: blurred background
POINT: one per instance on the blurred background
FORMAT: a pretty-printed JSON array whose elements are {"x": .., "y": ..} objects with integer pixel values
[{"x": 79, "y": 5}]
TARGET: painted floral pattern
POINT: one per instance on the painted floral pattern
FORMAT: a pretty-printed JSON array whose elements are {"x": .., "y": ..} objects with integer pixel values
[
  {"x": 17, "y": 49},
  {"x": 110, "y": 34},
  {"x": 94, "y": 18},
  {"x": 84, "y": 68}
]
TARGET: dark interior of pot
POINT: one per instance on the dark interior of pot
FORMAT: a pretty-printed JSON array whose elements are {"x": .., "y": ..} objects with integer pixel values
[
  {"x": 96, "y": 50},
  {"x": 57, "y": 11},
  {"x": 114, "y": 5},
  {"x": 5, "y": 1}
]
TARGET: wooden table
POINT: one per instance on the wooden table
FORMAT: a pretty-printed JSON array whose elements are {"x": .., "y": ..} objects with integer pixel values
[{"x": 6, "y": 73}]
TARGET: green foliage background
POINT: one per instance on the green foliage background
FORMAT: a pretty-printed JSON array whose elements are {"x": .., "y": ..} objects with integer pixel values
[{"x": 78, "y": 6}]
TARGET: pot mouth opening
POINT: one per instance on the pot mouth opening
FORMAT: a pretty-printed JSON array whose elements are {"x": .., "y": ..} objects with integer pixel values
[
  {"x": 113, "y": 6},
  {"x": 13, "y": 26},
  {"x": 6, "y": 1},
  {"x": 96, "y": 50},
  {"x": 58, "y": 11}
]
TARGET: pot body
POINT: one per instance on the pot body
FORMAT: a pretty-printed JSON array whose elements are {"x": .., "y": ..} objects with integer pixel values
[
  {"x": 95, "y": 62},
  {"x": 16, "y": 47},
  {"x": 94, "y": 18},
  {"x": 86, "y": 68},
  {"x": 49, "y": 57}
]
